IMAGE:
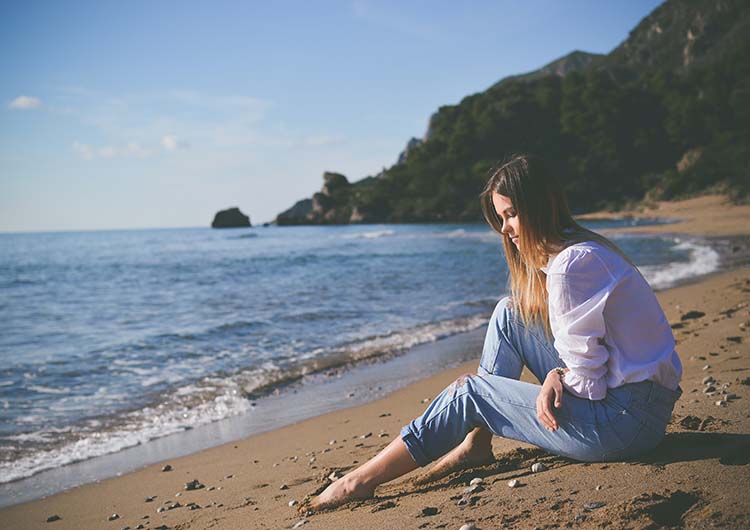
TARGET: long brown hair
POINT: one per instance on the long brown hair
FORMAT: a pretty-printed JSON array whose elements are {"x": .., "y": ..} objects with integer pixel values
[{"x": 546, "y": 227}]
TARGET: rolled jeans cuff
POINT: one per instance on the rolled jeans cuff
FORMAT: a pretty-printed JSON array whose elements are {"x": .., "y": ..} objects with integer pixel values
[{"x": 413, "y": 446}]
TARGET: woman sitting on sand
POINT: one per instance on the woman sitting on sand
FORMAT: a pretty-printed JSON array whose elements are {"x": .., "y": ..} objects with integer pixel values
[{"x": 585, "y": 323}]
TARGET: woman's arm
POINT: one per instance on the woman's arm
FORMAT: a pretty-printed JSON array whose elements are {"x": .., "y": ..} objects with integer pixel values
[
  {"x": 578, "y": 289},
  {"x": 552, "y": 389}
]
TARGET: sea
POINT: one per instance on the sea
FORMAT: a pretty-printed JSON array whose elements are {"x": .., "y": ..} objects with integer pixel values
[{"x": 115, "y": 339}]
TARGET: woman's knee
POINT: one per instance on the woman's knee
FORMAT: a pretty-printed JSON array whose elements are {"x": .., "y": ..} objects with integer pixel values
[{"x": 501, "y": 314}]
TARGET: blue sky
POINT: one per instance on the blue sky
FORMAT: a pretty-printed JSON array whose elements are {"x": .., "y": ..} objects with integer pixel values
[{"x": 159, "y": 113}]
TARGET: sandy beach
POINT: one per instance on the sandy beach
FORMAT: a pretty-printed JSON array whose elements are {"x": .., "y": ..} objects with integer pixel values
[{"x": 694, "y": 479}]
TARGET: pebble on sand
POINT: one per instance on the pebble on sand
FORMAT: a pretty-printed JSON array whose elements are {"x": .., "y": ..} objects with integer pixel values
[
  {"x": 193, "y": 485},
  {"x": 707, "y": 367},
  {"x": 283, "y": 487},
  {"x": 299, "y": 523},
  {"x": 468, "y": 526},
  {"x": 113, "y": 517},
  {"x": 538, "y": 467},
  {"x": 167, "y": 468},
  {"x": 593, "y": 505},
  {"x": 475, "y": 481},
  {"x": 474, "y": 488},
  {"x": 53, "y": 518},
  {"x": 514, "y": 483},
  {"x": 292, "y": 503}
]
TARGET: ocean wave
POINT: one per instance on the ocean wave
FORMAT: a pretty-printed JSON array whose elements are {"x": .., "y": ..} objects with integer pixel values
[
  {"x": 47, "y": 390},
  {"x": 703, "y": 260},
  {"x": 460, "y": 233},
  {"x": 211, "y": 399},
  {"x": 367, "y": 235}
]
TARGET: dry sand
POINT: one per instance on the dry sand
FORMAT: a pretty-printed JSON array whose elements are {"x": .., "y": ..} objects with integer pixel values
[
  {"x": 695, "y": 479},
  {"x": 707, "y": 215}
]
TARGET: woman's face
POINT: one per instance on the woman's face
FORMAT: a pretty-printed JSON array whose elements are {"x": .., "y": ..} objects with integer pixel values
[{"x": 508, "y": 215}]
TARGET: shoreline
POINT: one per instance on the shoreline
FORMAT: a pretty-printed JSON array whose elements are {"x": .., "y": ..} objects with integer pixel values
[
  {"x": 273, "y": 443},
  {"x": 272, "y": 410},
  {"x": 244, "y": 480}
]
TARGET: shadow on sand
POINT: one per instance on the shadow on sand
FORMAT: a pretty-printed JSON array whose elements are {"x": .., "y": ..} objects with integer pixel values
[{"x": 730, "y": 449}]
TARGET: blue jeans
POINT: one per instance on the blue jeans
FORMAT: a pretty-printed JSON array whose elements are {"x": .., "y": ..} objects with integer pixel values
[{"x": 631, "y": 419}]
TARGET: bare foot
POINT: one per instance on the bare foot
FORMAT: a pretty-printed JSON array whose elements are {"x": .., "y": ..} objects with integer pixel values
[
  {"x": 470, "y": 453},
  {"x": 347, "y": 488}
]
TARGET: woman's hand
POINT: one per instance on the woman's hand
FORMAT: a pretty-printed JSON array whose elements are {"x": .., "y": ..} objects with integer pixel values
[{"x": 552, "y": 390}]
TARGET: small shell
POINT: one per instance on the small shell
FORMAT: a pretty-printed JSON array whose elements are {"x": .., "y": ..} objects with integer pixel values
[
  {"x": 514, "y": 483},
  {"x": 538, "y": 467}
]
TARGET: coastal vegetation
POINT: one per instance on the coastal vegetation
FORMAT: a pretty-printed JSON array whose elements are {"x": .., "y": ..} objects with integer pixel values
[{"x": 663, "y": 115}]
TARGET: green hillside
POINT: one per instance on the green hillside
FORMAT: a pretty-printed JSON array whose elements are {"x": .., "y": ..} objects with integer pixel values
[{"x": 664, "y": 114}]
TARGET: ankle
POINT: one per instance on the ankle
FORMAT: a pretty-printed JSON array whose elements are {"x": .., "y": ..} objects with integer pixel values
[{"x": 355, "y": 485}]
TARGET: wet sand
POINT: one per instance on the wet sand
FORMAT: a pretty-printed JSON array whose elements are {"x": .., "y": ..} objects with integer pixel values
[{"x": 695, "y": 479}]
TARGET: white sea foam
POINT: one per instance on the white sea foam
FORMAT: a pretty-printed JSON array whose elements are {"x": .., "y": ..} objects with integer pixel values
[
  {"x": 703, "y": 260},
  {"x": 460, "y": 233},
  {"x": 211, "y": 399},
  {"x": 368, "y": 235},
  {"x": 47, "y": 390},
  {"x": 139, "y": 427}
]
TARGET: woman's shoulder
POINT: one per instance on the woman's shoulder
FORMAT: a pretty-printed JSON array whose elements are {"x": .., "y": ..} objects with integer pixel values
[{"x": 583, "y": 257}]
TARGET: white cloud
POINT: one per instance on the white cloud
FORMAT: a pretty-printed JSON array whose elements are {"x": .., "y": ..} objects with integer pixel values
[
  {"x": 87, "y": 152},
  {"x": 84, "y": 151},
  {"x": 107, "y": 151},
  {"x": 136, "y": 150},
  {"x": 25, "y": 103},
  {"x": 169, "y": 142}
]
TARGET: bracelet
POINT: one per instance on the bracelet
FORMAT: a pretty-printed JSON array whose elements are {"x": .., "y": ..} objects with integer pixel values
[{"x": 559, "y": 371}]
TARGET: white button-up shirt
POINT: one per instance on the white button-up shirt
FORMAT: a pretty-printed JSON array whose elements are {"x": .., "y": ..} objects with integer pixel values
[{"x": 607, "y": 324}]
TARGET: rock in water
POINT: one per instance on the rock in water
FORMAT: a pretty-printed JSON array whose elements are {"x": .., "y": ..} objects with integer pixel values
[{"x": 231, "y": 218}]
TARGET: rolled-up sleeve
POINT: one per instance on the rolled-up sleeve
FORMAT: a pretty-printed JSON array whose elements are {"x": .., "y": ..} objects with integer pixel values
[{"x": 578, "y": 289}]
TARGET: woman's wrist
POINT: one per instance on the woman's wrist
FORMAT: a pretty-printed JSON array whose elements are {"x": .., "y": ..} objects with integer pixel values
[{"x": 559, "y": 372}]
